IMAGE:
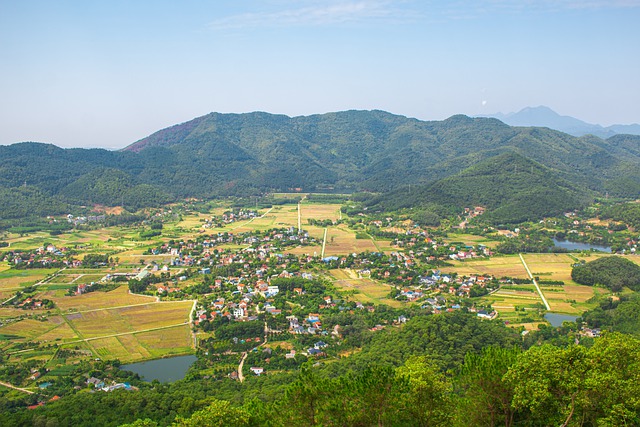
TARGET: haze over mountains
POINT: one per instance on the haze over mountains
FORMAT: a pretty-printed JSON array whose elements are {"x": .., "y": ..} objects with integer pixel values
[
  {"x": 545, "y": 117},
  {"x": 455, "y": 162}
]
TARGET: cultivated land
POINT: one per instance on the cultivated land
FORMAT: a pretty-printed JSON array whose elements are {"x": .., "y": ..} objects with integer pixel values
[
  {"x": 364, "y": 290},
  {"x": 130, "y": 327}
]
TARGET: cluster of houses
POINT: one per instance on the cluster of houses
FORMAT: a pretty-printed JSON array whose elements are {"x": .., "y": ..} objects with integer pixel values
[
  {"x": 229, "y": 217},
  {"x": 99, "y": 384},
  {"x": 203, "y": 252},
  {"x": 77, "y": 220},
  {"x": 42, "y": 257}
]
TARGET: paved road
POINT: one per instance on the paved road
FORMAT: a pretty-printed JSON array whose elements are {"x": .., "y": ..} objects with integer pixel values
[{"x": 544, "y": 300}]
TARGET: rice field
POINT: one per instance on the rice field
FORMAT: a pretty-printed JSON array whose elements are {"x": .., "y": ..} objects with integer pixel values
[
  {"x": 15, "y": 279},
  {"x": 145, "y": 345},
  {"x": 366, "y": 291},
  {"x": 104, "y": 322},
  {"x": 99, "y": 300},
  {"x": 500, "y": 266},
  {"x": 319, "y": 211},
  {"x": 341, "y": 241}
]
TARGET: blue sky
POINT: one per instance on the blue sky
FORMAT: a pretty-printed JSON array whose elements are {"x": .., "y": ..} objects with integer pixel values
[{"x": 107, "y": 73}]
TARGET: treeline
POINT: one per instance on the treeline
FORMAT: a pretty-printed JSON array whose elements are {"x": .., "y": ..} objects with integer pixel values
[
  {"x": 628, "y": 213},
  {"x": 619, "y": 315},
  {"x": 448, "y": 370},
  {"x": 514, "y": 189},
  {"x": 614, "y": 272},
  {"x": 547, "y": 385}
]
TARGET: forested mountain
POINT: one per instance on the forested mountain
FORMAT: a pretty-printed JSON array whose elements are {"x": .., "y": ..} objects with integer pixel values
[
  {"x": 511, "y": 187},
  {"x": 223, "y": 154}
]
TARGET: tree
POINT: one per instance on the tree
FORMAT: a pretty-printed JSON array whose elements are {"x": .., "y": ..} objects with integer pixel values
[
  {"x": 429, "y": 396},
  {"x": 578, "y": 385},
  {"x": 219, "y": 413},
  {"x": 487, "y": 398}
]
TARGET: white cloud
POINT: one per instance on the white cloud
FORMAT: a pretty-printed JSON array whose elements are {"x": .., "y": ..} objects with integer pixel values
[{"x": 330, "y": 13}]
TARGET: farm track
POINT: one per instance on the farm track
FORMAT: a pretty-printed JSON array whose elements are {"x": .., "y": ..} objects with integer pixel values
[
  {"x": 535, "y": 283},
  {"x": 24, "y": 390},
  {"x": 41, "y": 282},
  {"x": 324, "y": 243},
  {"x": 245, "y": 353},
  {"x": 251, "y": 220}
]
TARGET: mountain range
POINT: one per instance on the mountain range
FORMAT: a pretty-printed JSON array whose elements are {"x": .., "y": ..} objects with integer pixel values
[
  {"x": 545, "y": 117},
  {"x": 454, "y": 162}
]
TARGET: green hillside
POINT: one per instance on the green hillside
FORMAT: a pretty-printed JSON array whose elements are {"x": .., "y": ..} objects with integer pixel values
[
  {"x": 241, "y": 154},
  {"x": 512, "y": 188}
]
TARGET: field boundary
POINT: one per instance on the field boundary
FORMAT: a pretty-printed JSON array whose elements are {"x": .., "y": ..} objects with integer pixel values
[{"x": 535, "y": 283}]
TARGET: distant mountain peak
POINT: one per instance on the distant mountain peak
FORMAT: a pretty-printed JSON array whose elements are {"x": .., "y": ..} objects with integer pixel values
[{"x": 543, "y": 116}]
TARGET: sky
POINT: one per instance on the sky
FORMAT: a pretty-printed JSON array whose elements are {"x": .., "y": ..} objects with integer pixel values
[{"x": 107, "y": 73}]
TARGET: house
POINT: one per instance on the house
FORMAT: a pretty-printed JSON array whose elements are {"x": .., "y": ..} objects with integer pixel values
[
  {"x": 483, "y": 314},
  {"x": 257, "y": 370},
  {"x": 290, "y": 355},
  {"x": 319, "y": 345}
]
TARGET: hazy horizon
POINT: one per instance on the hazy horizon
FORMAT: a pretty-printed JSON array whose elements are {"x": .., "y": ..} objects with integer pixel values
[{"x": 108, "y": 74}]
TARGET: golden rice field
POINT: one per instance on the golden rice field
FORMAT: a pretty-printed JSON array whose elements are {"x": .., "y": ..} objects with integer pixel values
[
  {"x": 366, "y": 291},
  {"x": 471, "y": 240},
  {"x": 319, "y": 211},
  {"x": 509, "y": 265},
  {"x": 341, "y": 241},
  {"x": 29, "y": 329},
  {"x": 145, "y": 345},
  {"x": 98, "y": 300},
  {"x": 104, "y": 322},
  {"x": 14, "y": 279}
]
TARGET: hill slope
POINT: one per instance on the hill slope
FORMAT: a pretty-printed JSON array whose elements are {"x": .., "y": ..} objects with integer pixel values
[
  {"x": 224, "y": 154},
  {"x": 512, "y": 188}
]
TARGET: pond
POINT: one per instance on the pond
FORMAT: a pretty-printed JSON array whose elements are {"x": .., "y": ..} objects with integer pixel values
[
  {"x": 164, "y": 370},
  {"x": 575, "y": 246},
  {"x": 556, "y": 319}
]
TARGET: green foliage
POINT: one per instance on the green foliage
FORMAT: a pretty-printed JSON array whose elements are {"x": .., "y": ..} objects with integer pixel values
[
  {"x": 579, "y": 385},
  {"x": 628, "y": 213},
  {"x": 219, "y": 413},
  {"x": 488, "y": 397},
  {"x": 620, "y": 315},
  {"x": 245, "y": 154},
  {"x": 93, "y": 260},
  {"x": 614, "y": 272},
  {"x": 513, "y": 189}
]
